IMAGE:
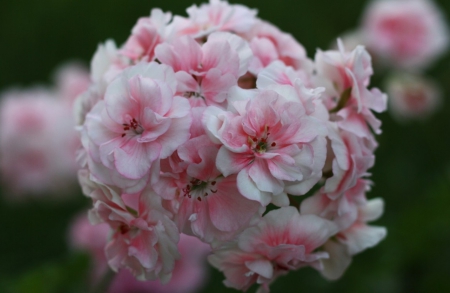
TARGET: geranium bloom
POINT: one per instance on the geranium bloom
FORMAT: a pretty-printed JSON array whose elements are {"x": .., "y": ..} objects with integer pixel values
[
  {"x": 352, "y": 158},
  {"x": 350, "y": 213},
  {"x": 407, "y": 33},
  {"x": 412, "y": 97},
  {"x": 144, "y": 239},
  {"x": 354, "y": 240},
  {"x": 146, "y": 35},
  {"x": 284, "y": 240},
  {"x": 189, "y": 274},
  {"x": 196, "y": 124},
  {"x": 140, "y": 120},
  {"x": 267, "y": 141},
  {"x": 342, "y": 210},
  {"x": 206, "y": 72},
  {"x": 346, "y": 76},
  {"x": 270, "y": 44},
  {"x": 215, "y": 16},
  {"x": 208, "y": 205}
]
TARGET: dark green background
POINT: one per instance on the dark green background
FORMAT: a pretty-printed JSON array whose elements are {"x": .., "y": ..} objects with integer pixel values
[{"x": 412, "y": 171}]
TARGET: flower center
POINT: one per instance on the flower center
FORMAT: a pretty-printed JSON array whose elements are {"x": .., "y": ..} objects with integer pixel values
[
  {"x": 260, "y": 145},
  {"x": 132, "y": 126},
  {"x": 199, "y": 189},
  {"x": 193, "y": 94}
]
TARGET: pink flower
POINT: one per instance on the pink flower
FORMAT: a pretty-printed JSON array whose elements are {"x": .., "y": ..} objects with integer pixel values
[
  {"x": 296, "y": 85},
  {"x": 215, "y": 16},
  {"x": 352, "y": 158},
  {"x": 346, "y": 76},
  {"x": 146, "y": 35},
  {"x": 267, "y": 140},
  {"x": 144, "y": 238},
  {"x": 279, "y": 73},
  {"x": 269, "y": 44},
  {"x": 412, "y": 97},
  {"x": 139, "y": 122},
  {"x": 361, "y": 236},
  {"x": 283, "y": 241},
  {"x": 343, "y": 210},
  {"x": 189, "y": 274},
  {"x": 407, "y": 34},
  {"x": 206, "y": 72},
  {"x": 106, "y": 64},
  {"x": 209, "y": 206},
  {"x": 350, "y": 213},
  {"x": 353, "y": 240}
]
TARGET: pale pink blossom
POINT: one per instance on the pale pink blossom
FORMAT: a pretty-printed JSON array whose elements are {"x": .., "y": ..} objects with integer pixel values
[
  {"x": 139, "y": 122},
  {"x": 268, "y": 140},
  {"x": 189, "y": 274},
  {"x": 206, "y": 72},
  {"x": 295, "y": 85},
  {"x": 352, "y": 157},
  {"x": 269, "y": 44},
  {"x": 353, "y": 240},
  {"x": 146, "y": 35},
  {"x": 350, "y": 213},
  {"x": 346, "y": 76},
  {"x": 283, "y": 241},
  {"x": 279, "y": 73},
  {"x": 209, "y": 206},
  {"x": 412, "y": 97},
  {"x": 406, "y": 33},
  {"x": 106, "y": 64},
  {"x": 145, "y": 238},
  {"x": 215, "y": 16},
  {"x": 342, "y": 210},
  {"x": 360, "y": 235}
]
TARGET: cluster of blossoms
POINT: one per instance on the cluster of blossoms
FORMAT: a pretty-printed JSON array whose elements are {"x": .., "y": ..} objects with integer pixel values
[
  {"x": 406, "y": 36},
  {"x": 218, "y": 125},
  {"x": 37, "y": 136}
]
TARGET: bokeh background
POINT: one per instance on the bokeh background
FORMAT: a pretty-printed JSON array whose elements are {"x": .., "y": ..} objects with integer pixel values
[{"x": 412, "y": 170}]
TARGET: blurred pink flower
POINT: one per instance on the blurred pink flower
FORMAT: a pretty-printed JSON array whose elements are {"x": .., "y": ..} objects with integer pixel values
[
  {"x": 412, "y": 97},
  {"x": 408, "y": 34}
]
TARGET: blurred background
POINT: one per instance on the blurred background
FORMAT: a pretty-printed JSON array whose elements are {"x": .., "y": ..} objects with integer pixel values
[{"x": 411, "y": 173}]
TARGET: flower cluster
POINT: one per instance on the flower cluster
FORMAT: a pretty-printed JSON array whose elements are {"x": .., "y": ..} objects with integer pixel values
[{"x": 218, "y": 125}]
